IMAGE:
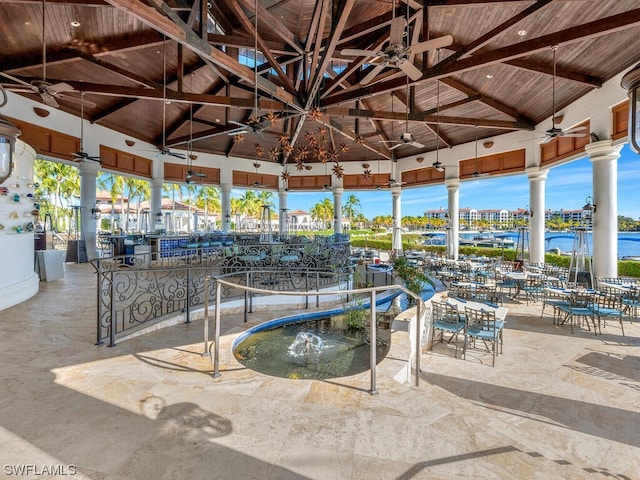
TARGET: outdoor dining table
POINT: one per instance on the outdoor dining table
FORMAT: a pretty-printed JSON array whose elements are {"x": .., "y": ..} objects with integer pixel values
[{"x": 461, "y": 304}]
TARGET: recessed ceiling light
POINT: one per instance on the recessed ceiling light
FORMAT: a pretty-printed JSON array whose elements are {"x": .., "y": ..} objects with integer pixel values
[
  {"x": 75, "y": 23},
  {"x": 217, "y": 120},
  {"x": 168, "y": 102},
  {"x": 522, "y": 33},
  {"x": 27, "y": 23},
  {"x": 489, "y": 75}
]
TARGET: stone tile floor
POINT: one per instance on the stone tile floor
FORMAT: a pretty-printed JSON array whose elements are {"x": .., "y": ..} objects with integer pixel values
[{"x": 556, "y": 405}]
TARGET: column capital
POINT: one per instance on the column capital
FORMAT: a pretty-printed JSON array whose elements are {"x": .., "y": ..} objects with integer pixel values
[
  {"x": 396, "y": 191},
  {"x": 225, "y": 187},
  {"x": 88, "y": 168},
  {"x": 603, "y": 150},
  {"x": 452, "y": 183},
  {"x": 337, "y": 190},
  {"x": 536, "y": 173}
]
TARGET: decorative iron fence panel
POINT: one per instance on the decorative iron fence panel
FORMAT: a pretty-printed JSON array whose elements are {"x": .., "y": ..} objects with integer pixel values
[{"x": 138, "y": 289}]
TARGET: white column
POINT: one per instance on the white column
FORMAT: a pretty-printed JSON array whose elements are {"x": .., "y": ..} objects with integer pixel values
[
  {"x": 88, "y": 175},
  {"x": 156, "y": 204},
  {"x": 453, "y": 193},
  {"x": 225, "y": 205},
  {"x": 337, "y": 209},
  {"x": 604, "y": 157},
  {"x": 396, "y": 236},
  {"x": 282, "y": 210},
  {"x": 537, "y": 180}
]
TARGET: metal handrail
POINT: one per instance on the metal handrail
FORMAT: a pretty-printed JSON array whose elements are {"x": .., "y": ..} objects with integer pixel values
[{"x": 420, "y": 312}]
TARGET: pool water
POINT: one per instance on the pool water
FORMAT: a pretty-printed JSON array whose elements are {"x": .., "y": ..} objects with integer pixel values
[{"x": 316, "y": 349}]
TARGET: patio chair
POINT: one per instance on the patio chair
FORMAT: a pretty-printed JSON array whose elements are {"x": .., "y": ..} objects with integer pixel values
[
  {"x": 485, "y": 293},
  {"x": 608, "y": 305},
  {"x": 447, "y": 319},
  {"x": 533, "y": 288},
  {"x": 631, "y": 302},
  {"x": 580, "y": 306},
  {"x": 482, "y": 324},
  {"x": 554, "y": 297},
  {"x": 505, "y": 286}
]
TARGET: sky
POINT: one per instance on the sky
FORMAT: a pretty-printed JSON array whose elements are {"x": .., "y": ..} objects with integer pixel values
[{"x": 567, "y": 187}]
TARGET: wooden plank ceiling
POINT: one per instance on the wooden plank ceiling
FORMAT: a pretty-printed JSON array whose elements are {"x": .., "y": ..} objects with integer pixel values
[{"x": 156, "y": 72}]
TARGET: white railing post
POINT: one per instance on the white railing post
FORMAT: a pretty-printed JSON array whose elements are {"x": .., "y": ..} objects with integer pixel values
[
  {"x": 372, "y": 343},
  {"x": 216, "y": 354},
  {"x": 206, "y": 317},
  {"x": 418, "y": 344}
]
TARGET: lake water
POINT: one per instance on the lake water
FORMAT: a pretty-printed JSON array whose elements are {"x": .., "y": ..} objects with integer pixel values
[{"x": 628, "y": 242}]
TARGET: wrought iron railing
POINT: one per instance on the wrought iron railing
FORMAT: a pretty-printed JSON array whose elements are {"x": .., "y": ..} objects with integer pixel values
[{"x": 136, "y": 290}]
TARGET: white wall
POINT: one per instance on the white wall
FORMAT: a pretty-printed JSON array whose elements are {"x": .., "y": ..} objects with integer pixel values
[{"x": 18, "y": 280}]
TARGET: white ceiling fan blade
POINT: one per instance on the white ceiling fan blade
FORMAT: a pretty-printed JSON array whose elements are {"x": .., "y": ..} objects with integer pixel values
[
  {"x": 416, "y": 144},
  {"x": 372, "y": 74},
  {"x": 574, "y": 135},
  {"x": 15, "y": 79},
  {"x": 17, "y": 88},
  {"x": 396, "y": 146},
  {"x": 433, "y": 44},
  {"x": 397, "y": 30},
  {"x": 547, "y": 140},
  {"x": 60, "y": 87},
  {"x": 410, "y": 69},
  {"x": 238, "y": 123},
  {"x": 356, "y": 52},
  {"x": 49, "y": 100}
]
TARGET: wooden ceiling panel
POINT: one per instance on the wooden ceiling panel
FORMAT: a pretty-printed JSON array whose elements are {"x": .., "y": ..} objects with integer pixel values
[{"x": 115, "y": 36}]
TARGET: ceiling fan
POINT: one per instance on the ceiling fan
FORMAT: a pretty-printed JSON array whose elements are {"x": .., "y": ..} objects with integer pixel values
[
  {"x": 438, "y": 165},
  {"x": 163, "y": 149},
  {"x": 81, "y": 155},
  {"x": 406, "y": 139},
  {"x": 476, "y": 173},
  {"x": 555, "y": 132},
  {"x": 257, "y": 184},
  {"x": 47, "y": 91},
  {"x": 396, "y": 54},
  {"x": 255, "y": 123},
  {"x": 191, "y": 174}
]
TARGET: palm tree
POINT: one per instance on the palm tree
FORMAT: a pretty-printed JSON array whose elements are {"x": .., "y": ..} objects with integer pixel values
[
  {"x": 208, "y": 199},
  {"x": 322, "y": 211},
  {"x": 349, "y": 209},
  {"x": 59, "y": 182}
]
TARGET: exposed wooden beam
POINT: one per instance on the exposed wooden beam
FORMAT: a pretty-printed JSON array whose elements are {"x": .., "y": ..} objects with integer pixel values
[
  {"x": 275, "y": 25},
  {"x": 344, "y": 9},
  {"x": 110, "y": 110},
  {"x": 187, "y": 115},
  {"x": 264, "y": 48},
  {"x": 487, "y": 100},
  {"x": 351, "y": 135},
  {"x": 436, "y": 131},
  {"x": 612, "y": 24},
  {"x": 317, "y": 45},
  {"x": 203, "y": 135},
  {"x": 494, "y": 32},
  {"x": 177, "y": 30},
  {"x": 240, "y": 40},
  {"x": 427, "y": 117},
  {"x": 547, "y": 69},
  {"x": 172, "y": 95}
]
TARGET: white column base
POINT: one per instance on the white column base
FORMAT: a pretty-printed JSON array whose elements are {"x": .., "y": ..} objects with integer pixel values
[{"x": 19, "y": 292}]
